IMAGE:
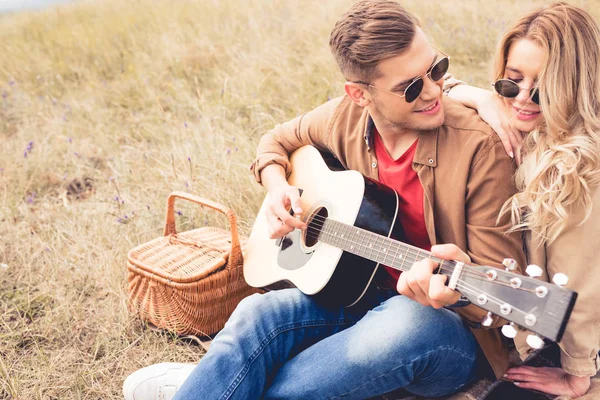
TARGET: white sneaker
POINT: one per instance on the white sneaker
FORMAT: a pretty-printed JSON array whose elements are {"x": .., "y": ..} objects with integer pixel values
[{"x": 156, "y": 382}]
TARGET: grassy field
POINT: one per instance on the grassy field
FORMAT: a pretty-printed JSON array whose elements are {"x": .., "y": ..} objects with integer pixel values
[{"x": 107, "y": 107}]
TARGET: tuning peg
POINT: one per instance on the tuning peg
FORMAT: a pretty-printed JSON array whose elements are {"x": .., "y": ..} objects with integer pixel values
[
  {"x": 534, "y": 271},
  {"x": 487, "y": 320},
  {"x": 535, "y": 342},
  {"x": 510, "y": 264},
  {"x": 560, "y": 279},
  {"x": 509, "y": 331}
]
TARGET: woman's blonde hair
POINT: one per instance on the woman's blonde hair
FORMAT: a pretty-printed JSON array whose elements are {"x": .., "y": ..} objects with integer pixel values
[{"x": 561, "y": 158}]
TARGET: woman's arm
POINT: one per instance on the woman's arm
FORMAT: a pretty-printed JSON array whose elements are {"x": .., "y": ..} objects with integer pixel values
[{"x": 490, "y": 108}]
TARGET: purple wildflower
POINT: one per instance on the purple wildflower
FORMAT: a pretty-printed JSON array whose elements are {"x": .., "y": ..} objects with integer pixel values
[{"x": 179, "y": 213}]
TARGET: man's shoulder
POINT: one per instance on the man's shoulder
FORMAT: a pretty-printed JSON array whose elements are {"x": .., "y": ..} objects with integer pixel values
[
  {"x": 333, "y": 108},
  {"x": 465, "y": 121}
]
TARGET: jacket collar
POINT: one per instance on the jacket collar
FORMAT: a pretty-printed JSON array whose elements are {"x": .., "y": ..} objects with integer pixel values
[{"x": 426, "y": 152}]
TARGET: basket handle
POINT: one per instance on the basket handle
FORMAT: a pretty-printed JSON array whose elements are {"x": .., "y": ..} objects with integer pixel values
[{"x": 170, "y": 226}]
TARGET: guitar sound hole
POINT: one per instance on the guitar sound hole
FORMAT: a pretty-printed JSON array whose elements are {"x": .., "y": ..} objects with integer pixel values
[{"x": 315, "y": 226}]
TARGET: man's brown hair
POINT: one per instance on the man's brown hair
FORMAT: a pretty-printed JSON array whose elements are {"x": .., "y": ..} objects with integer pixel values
[{"x": 369, "y": 32}]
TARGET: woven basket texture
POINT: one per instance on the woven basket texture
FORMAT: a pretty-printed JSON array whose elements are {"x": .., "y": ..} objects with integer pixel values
[{"x": 188, "y": 282}]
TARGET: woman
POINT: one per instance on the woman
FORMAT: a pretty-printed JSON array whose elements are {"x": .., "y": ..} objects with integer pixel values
[{"x": 546, "y": 108}]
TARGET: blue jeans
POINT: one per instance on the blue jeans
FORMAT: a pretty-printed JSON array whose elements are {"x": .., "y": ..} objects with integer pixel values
[{"x": 283, "y": 344}]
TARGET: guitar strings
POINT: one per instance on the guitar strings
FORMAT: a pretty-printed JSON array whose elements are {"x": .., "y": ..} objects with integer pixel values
[{"x": 411, "y": 250}]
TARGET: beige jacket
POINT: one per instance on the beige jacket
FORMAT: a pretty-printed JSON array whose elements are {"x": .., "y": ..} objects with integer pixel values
[
  {"x": 576, "y": 253},
  {"x": 465, "y": 173}
]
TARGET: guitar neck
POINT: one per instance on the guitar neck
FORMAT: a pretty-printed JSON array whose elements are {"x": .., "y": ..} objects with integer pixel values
[{"x": 374, "y": 247}]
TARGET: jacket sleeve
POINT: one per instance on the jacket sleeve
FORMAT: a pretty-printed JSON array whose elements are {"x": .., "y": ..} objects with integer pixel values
[
  {"x": 449, "y": 82},
  {"x": 489, "y": 185},
  {"x": 311, "y": 128},
  {"x": 576, "y": 253}
]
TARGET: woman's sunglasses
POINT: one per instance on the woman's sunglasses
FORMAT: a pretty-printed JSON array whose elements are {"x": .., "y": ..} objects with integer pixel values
[
  {"x": 414, "y": 89},
  {"x": 510, "y": 89}
]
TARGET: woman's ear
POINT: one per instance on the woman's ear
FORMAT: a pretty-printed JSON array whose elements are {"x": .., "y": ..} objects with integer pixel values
[{"x": 358, "y": 93}]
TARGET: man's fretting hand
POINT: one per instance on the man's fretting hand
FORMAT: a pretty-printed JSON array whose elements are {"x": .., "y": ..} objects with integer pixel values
[{"x": 422, "y": 285}]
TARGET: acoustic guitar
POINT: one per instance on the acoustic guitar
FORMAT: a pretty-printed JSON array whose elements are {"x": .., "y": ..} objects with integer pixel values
[{"x": 352, "y": 229}]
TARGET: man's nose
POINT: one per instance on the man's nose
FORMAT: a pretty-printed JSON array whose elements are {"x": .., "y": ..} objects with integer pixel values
[{"x": 431, "y": 88}]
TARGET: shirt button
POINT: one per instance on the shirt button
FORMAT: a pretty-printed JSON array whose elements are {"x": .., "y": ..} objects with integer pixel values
[
  {"x": 374, "y": 165},
  {"x": 431, "y": 161}
]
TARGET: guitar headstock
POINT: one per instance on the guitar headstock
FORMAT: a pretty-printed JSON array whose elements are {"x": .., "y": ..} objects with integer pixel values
[{"x": 541, "y": 307}]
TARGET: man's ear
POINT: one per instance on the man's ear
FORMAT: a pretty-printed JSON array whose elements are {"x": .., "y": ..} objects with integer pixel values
[{"x": 358, "y": 93}]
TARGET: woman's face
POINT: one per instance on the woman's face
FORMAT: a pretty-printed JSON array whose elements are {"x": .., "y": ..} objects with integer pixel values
[{"x": 525, "y": 59}]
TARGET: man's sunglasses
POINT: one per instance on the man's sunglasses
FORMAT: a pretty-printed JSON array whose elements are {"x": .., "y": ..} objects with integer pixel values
[
  {"x": 414, "y": 89},
  {"x": 510, "y": 89}
]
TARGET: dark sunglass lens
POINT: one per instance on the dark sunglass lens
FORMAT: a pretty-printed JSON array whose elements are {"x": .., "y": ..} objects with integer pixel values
[
  {"x": 535, "y": 96},
  {"x": 506, "y": 88},
  {"x": 413, "y": 90},
  {"x": 439, "y": 70}
]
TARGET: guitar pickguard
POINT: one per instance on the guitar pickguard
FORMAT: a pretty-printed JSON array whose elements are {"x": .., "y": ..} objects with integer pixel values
[{"x": 291, "y": 255}]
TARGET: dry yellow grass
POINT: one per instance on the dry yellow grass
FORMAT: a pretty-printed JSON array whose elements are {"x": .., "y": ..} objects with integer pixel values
[{"x": 106, "y": 107}]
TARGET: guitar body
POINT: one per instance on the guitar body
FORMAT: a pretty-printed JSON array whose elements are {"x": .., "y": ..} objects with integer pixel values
[{"x": 334, "y": 276}]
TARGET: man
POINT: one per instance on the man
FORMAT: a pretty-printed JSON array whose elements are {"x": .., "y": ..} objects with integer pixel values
[{"x": 452, "y": 176}]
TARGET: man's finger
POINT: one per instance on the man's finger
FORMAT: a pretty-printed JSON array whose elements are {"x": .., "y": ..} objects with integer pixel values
[
  {"x": 450, "y": 252},
  {"x": 440, "y": 294},
  {"x": 294, "y": 196},
  {"x": 403, "y": 288}
]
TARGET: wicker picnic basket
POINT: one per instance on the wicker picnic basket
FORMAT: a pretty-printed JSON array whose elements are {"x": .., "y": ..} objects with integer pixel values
[{"x": 188, "y": 282}]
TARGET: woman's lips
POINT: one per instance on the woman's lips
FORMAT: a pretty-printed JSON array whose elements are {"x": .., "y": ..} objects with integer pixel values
[{"x": 526, "y": 115}]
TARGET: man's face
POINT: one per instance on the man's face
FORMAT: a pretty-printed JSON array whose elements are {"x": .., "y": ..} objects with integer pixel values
[{"x": 396, "y": 73}]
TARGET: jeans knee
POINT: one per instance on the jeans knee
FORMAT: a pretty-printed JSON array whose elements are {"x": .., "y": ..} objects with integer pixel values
[{"x": 262, "y": 310}]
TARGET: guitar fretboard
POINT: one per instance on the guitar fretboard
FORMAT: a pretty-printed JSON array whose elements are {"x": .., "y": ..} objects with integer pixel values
[{"x": 374, "y": 247}]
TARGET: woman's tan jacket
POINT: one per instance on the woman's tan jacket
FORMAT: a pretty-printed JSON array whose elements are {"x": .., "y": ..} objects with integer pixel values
[{"x": 576, "y": 253}]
